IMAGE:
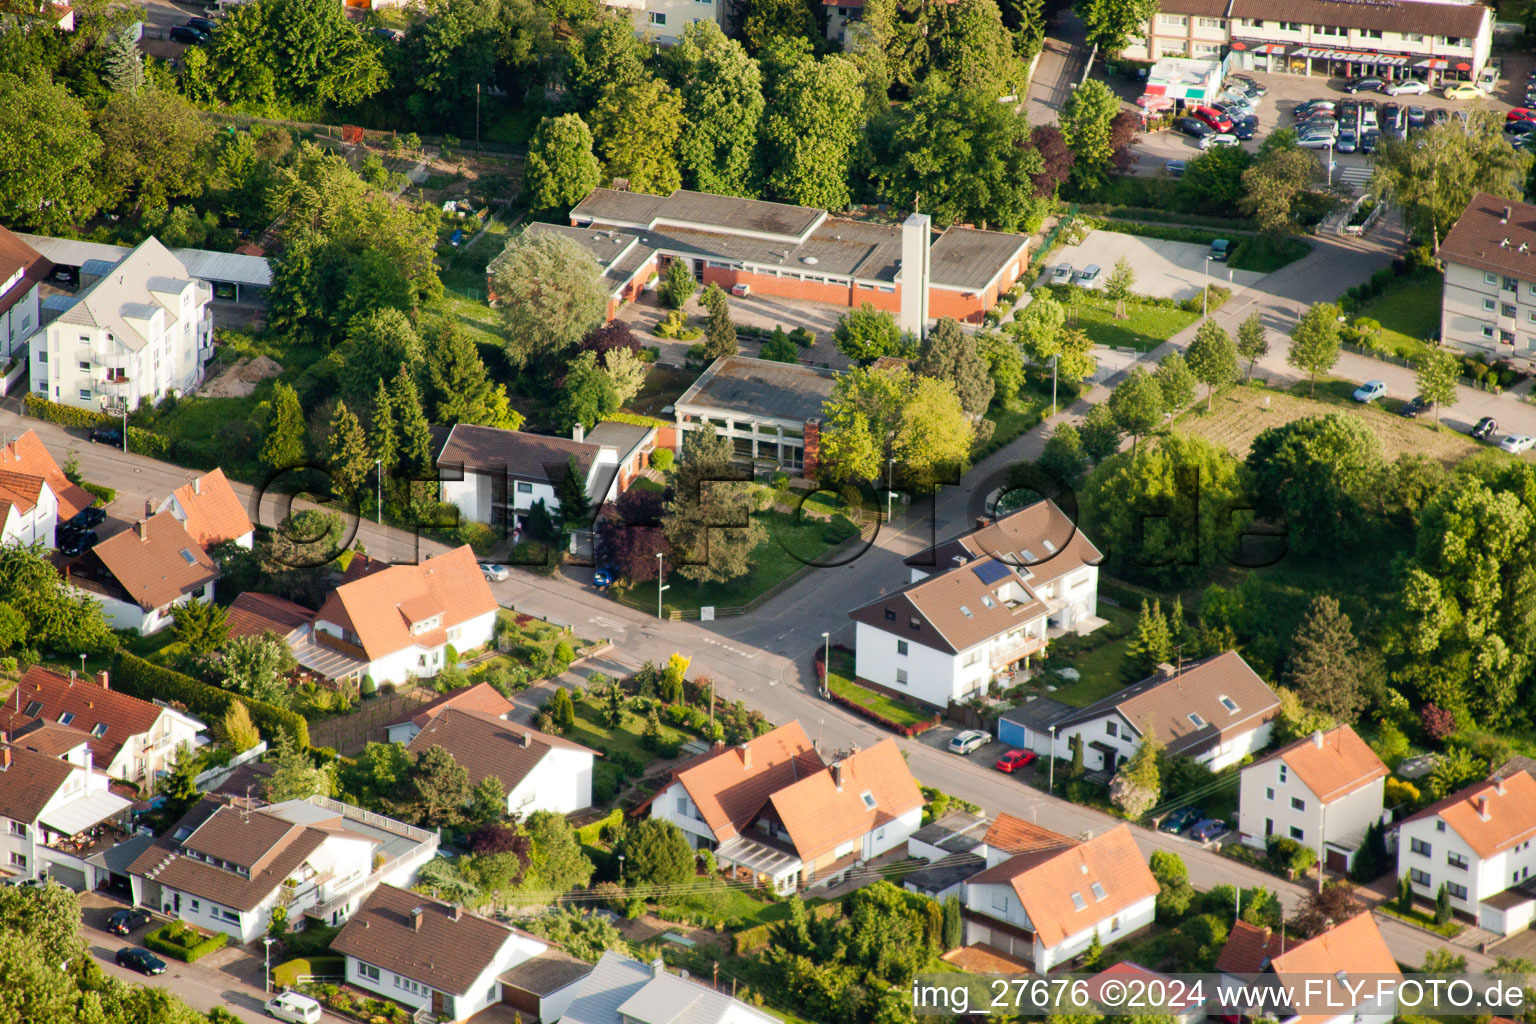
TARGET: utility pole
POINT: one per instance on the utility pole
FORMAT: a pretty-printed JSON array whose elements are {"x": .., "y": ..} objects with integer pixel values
[
  {"x": 890, "y": 485},
  {"x": 477, "y": 117},
  {"x": 1054, "y": 357},
  {"x": 1051, "y": 785},
  {"x": 660, "y": 586}
]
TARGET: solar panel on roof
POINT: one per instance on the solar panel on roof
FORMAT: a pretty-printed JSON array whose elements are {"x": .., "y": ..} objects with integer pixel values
[{"x": 990, "y": 572}]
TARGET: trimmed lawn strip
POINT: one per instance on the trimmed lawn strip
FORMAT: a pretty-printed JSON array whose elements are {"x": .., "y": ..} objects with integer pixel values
[
  {"x": 1101, "y": 671},
  {"x": 840, "y": 676},
  {"x": 591, "y": 731},
  {"x": 1449, "y": 930},
  {"x": 1145, "y": 327},
  {"x": 1408, "y": 311}
]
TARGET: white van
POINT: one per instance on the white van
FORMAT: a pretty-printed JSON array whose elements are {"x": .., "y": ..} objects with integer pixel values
[{"x": 291, "y": 1006}]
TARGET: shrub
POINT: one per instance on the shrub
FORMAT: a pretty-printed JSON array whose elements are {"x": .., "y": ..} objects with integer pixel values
[
  {"x": 287, "y": 975},
  {"x": 480, "y": 536},
  {"x": 696, "y": 353},
  {"x": 662, "y": 459},
  {"x": 368, "y": 687},
  {"x": 675, "y": 326},
  {"x": 103, "y": 494},
  {"x": 1287, "y": 855},
  {"x": 802, "y": 337},
  {"x": 63, "y": 415},
  {"x": 138, "y": 678},
  {"x": 181, "y": 941}
]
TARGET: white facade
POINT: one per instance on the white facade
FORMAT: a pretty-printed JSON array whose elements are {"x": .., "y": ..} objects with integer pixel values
[
  {"x": 18, "y": 323},
  {"x": 35, "y": 526},
  {"x": 560, "y": 782},
  {"x": 1111, "y": 731},
  {"x": 418, "y": 661},
  {"x": 146, "y": 756},
  {"x": 674, "y": 805},
  {"x": 475, "y": 495},
  {"x": 665, "y": 20},
  {"x": 1481, "y": 311},
  {"x": 28, "y": 848},
  {"x": 417, "y": 993},
  {"x": 1431, "y": 853},
  {"x": 999, "y": 902},
  {"x": 1273, "y": 800},
  {"x": 128, "y": 615}
]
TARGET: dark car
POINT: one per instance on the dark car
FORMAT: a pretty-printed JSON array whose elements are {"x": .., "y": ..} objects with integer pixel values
[
  {"x": 1192, "y": 126},
  {"x": 1485, "y": 428},
  {"x": 1439, "y": 115},
  {"x": 1207, "y": 830},
  {"x": 1348, "y": 110},
  {"x": 1244, "y": 130},
  {"x": 124, "y": 921},
  {"x": 1312, "y": 104},
  {"x": 1368, "y": 141},
  {"x": 186, "y": 34},
  {"x": 1413, "y": 407},
  {"x": 86, "y": 518},
  {"x": 1368, "y": 83},
  {"x": 1519, "y": 127},
  {"x": 141, "y": 960},
  {"x": 77, "y": 543},
  {"x": 604, "y": 576},
  {"x": 1181, "y": 819},
  {"x": 203, "y": 25},
  {"x": 1252, "y": 85},
  {"x": 107, "y": 435},
  {"x": 1416, "y": 117}
]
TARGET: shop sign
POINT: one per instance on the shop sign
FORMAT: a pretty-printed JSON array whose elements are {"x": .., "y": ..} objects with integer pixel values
[{"x": 1353, "y": 56}]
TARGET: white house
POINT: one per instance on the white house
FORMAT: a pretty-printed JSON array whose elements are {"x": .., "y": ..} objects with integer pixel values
[
  {"x": 1359, "y": 971},
  {"x": 495, "y": 476},
  {"x": 225, "y": 868},
  {"x": 665, "y": 20},
  {"x": 624, "y": 991},
  {"x": 143, "y": 572},
  {"x": 56, "y": 807},
  {"x": 1323, "y": 790},
  {"x": 979, "y": 606},
  {"x": 1217, "y": 711},
  {"x": 537, "y": 771},
  {"x": 776, "y": 814},
  {"x": 1477, "y": 843},
  {"x": 129, "y": 738},
  {"x": 398, "y": 623},
  {"x": 210, "y": 511},
  {"x": 429, "y": 955},
  {"x": 1488, "y": 299},
  {"x": 1044, "y": 896},
  {"x": 22, "y": 268},
  {"x": 137, "y": 330},
  {"x": 35, "y": 495}
]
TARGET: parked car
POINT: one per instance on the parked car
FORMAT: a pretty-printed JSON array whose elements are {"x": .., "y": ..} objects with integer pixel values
[
  {"x": 1243, "y": 131},
  {"x": 76, "y": 543},
  {"x": 1416, "y": 117},
  {"x": 1088, "y": 275},
  {"x": 1485, "y": 428},
  {"x": 1192, "y": 126},
  {"x": 1517, "y": 443},
  {"x": 1407, "y": 87},
  {"x": 1346, "y": 142},
  {"x": 1366, "y": 83},
  {"x": 1520, "y": 114},
  {"x": 1181, "y": 819},
  {"x": 1413, "y": 407},
  {"x": 1368, "y": 119},
  {"x": 124, "y": 921},
  {"x": 1062, "y": 274},
  {"x": 294, "y": 1008},
  {"x": 1461, "y": 91},
  {"x": 1221, "y": 248},
  {"x": 1207, "y": 830},
  {"x": 107, "y": 435},
  {"x": 1174, "y": 168},
  {"x": 1328, "y": 128},
  {"x": 141, "y": 960},
  {"x": 494, "y": 572},
  {"x": 604, "y": 576},
  {"x": 1348, "y": 111},
  {"x": 1234, "y": 105},
  {"x": 968, "y": 741},
  {"x": 203, "y": 25},
  {"x": 1014, "y": 760},
  {"x": 1308, "y": 106},
  {"x": 1370, "y": 391},
  {"x": 1251, "y": 85},
  {"x": 191, "y": 36},
  {"x": 1226, "y": 138},
  {"x": 1519, "y": 127},
  {"x": 1315, "y": 141},
  {"x": 1439, "y": 115},
  {"x": 88, "y": 517},
  {"x": 1213, "y": 118},
  {"x": 1368, "y": 141}
]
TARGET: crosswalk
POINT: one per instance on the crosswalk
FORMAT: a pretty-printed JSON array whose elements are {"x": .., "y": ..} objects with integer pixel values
[{"x": 1357, "y": 177}]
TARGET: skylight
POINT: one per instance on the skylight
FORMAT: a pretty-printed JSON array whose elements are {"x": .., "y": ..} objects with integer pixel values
[
  {"x": 1078, "y": 901},
  {"x": 1229, "y": 703},
  {"x": 1050, "y": 545},
  {"x": 1098, "y": 891},
  {"x": 1195, "y": 718},
  {"x": 868, "y": 798},
  {"x": 99, "y": 729},
  {"x": 187, "y": 556},
  {"x": 987, "y": 601},
  {"x": 966, "y": 612},
  {"x": 1029, "y": 556},
  {"x": 66, "y": 718},
  {"x": 33, "y": 708}
]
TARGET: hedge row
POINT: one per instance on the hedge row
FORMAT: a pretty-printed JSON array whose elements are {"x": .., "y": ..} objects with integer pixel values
[
  {"x": 749, "y": 940},
  {"x": 287, "y": 974},
  {"x": 591, "y": 835},
  {"x": 158, "y": 941},
  {"x": 634, "y": 419},
  {"x": 139, "y": 678},
  {"x": 102, "y": 492},
  {"x": 141, "y": 442}
]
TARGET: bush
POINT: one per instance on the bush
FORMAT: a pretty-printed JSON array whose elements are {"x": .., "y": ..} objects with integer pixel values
[
  {"x": 592, "y": 834},
  {"x": 675, "y": 326},
  {"x": 662, "y": 459},
  {"x": 802, "y": 337},
  {"x": 1287, "y": 855},
  {"x": 103, "y": 494},
  {"x": 138, "y": 678},
  {"x": 181, "y": 941},
  {"x": 480, "y": 536},
  {"x": 63, "y": 415},
  {"x": 696, "y": 353},
  {"x": 368, "y": 687},
  {"x": 287, "y": 975},
  {"x": 749, "y": 940}
]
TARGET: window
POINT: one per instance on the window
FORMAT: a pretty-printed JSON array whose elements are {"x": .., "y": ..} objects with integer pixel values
[
  {"x": 1195, "y": 718},
  {"x": 1508, "y": 310},
  {"x": 1418, "y": 877},
  {"x": 1455, "y": 41},
  {"x": 1413, "y": 37},
  {"x": 33, "y": 708},
  {"x": 1253, "y": 23},
  {"x": 1488, "y": 332},
  {"x": 1173, "y": 20},
  {"x": 1457, "y": 891},
  {"x": 1207, "y": 47},
  {"x": 1489, "y": 305},
  {"x": 1285, "y": 772},
  {"x": 85, "y": 365},
  {"x": 99, "y": 729},
  {"x": 18, "y": 860},
  {"x": 1210, "y": 23},
  {"x": 890, "y": 615},
  {"x": 85, "y": 394},
  {"x": 1112, "y": 728},
  {"x": 197, "y": 905},
  {"x": 1298, "y": 804},
  {"x": 971, "y": 659},
  {"x": 1439, "y": 825},
  {"x": 1456, "y": 860},
  {"x": 915, "y": 622},
  {"x": 19, "y": 828},
  {"x": 523, "y": 488},
  {"x": 1078, "y": 901},
  {"x": 1511, "y": 285},
  {"x": 1490, "y": 278},
  {"x": 1269, "y": 792},
  {"x": 1419, "y": 847},
  {"x": 367, "y": 971},
  {"x": 66, "y": 717},
  {"x": 901, "y": 647},
  {"x": 657, "y": 18},
  {"x": 999, "y": 898},
  {"x": 1370, "y": 33},
  {"x": 1173, "y": 50},
  {"x": 1229, "y": 703},
  {"x": 869, "y": 800},
  {"x": 1297, "y": 834},
  {"x": 901, "y": 677},
  {"x": 1291, "y": 26},
  {"x": 1098, "y": 891},
  {"x": 1327, "y": 30}
]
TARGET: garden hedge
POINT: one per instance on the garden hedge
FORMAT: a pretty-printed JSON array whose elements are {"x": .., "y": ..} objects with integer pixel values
[
  {"x": 63, "y": 415},
  {"x": 634, "y": 419},
  {"x": 159, "y": 940},
  {"x": 592, "y": 834},
  {"x": 287, "y": 975},
  {"x": 139, "y": 678},
  {"x": 101, "y": 492}
]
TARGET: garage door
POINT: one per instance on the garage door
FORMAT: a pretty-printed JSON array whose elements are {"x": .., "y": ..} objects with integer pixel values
[
  {"x": 1337, "y": 861},
  {"x": 72, "y": 877}
]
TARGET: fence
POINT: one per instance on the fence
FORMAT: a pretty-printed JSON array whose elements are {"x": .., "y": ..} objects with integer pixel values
[
  {"x": 1404, "y": 361},
  {"x": 1051, "y": 235}
]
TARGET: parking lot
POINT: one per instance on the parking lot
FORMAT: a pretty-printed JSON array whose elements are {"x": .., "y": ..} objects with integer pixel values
[{"x": 1168, "y": 270}]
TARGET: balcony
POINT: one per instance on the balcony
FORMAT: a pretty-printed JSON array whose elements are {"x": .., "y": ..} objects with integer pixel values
[{"x": 1008, "y": 653}]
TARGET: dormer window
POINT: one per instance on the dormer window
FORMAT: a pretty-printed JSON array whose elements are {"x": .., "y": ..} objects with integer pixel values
[
  {"x": 966, "y": 612},
  {"x": 34, "y": 708},
  {"x": 66, "y": 717},
  {"x": 1098, "y": 892}
]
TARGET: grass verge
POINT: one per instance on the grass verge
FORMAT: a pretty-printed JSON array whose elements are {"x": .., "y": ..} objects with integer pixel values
[{"x": 840, "y": 676}]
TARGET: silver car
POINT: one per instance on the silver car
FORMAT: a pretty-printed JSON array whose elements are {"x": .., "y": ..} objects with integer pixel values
[
  {"x": 494, "y": 573},
  {"x": 968, "y": 741},
  {"x": 1088, "y": 275},
  {"x": 1061, "y": 274}
]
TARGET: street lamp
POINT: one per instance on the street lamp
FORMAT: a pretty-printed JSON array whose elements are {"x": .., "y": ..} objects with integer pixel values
[
  {"x": 378, "y": 490},
  {"x": 826, "y": 662},
  {"x": 267, "y": 940},
  {"x": 1206, "y": 293},
  {"x": 1330, "y": 163},
  {"x": 660, "y": 586},
  {"x": 1054, "y": 356},
  {"x": 890, "y": 485},
  {"x": 82, "y": 666},
  {"x": 1051, "y": 785},
  {"x": 621, "y": 870}
]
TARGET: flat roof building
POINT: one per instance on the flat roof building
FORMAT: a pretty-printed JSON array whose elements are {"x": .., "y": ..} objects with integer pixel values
[{"x": 770, "y": 411}]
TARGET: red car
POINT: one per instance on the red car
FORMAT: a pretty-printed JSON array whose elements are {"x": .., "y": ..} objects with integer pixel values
[
  {"x": 1521, "y": 114},
  {"x": 1015, "y": 759},
  {"x": 1213, "y": 117}
]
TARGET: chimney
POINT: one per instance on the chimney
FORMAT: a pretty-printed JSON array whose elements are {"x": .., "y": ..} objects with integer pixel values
[
  {"x": 837, "y": 775},
  {"x": 454, "y": 912},
  {"x": 1505, "y": 219},
  {"x": 1166, "y": 671},
  {"x": 143, "y": 531},
  {"x": 960, "y": 560},
  {"x": 197, "y": 485},
  {"x": 1266, "y": 936},
  {"x": 1317, "y": 738},
  {"x": 719, "y": 745},
  {"x": 523, "y": 739},
  {"x": 1498, "y": 785},
  {"x": 916, "y": 238},
  {"x": 981, "y": 522},
  {"x": 1482, "y": 806},
  {"x": 417, "y": 914},
  {"x": 103, "y": 680},
  {"x": 658, "y": 967},
  {"x": 746, "y": 756},
  {"x": 149, "y": 508},
  {"x": 5, "y": 759},
  {"x": 578, "y": 433}
]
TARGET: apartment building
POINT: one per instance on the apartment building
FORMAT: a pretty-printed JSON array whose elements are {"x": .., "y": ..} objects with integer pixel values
[
  {"x": 135, "y": 331},
  {"x": 22, "y": 269},
  {"x": 1435, "y": 41},
  {"x": 1488, "y": 301},
  {"x": 664, "y": 21}
]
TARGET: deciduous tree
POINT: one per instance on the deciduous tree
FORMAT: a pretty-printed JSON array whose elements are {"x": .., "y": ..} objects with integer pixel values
[
  {"x": 875, "y": 414},
  {"x": 722, "y": 91},
  {"x": 154, "y": 150},
  {"x": 1252, "y": 340},
  {"x": 561, "y": 168},
  {"x": 1315, "y": 341},
  {"x": 1086, "y": 126},
  {"x": 1111, "y": 24},
  {"x": 1176, "y": 382},
  {"x": 47, "y": 152},
  {"x": 1137, "y": 404},
  {"x": 1101, "y": 433},
  {"x": 866, "y": 333},
  {"x": 708, "y": 520},
  {"x": 811, "y": 128},
  {"x": 1274, "y": 182},
  {"x": 1212, "y": 358},
  {"x": 550, "y": 294},
  {"x": 1315, "y": 473},
  {"x": 1438, "y": 374},
  {"x": 635, "y": 128}
]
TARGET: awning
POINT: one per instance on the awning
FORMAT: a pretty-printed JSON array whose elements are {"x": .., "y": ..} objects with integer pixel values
[
  {"x": 78, "y": 815},
  {"x": 1154, "y": 90},
  {"x": 759, "y": 857}
]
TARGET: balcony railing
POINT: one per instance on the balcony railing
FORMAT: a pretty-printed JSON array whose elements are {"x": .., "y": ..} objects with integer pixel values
[
  {"x": 336, "y": 643},
  {"x": 1011, "y": 652}
]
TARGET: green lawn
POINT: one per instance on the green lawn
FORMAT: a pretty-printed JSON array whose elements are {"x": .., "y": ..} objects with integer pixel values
[
  {"x": 721, "y": 902},
  {"x": 793, "y": 543},
  {"x": 840, "y": 681},
  {"x": 1448, "y": 930},
  {"x": 1145, "y": 327},
  {"x": 590, "y": 730},
  {"x": 479, "y": 320},
  {"x": 1266, "y": 254},
  {"x": 1017, "y": 416},
  {"x": 1408, "y": 312},
  {"x": 1100, "y": 665}
]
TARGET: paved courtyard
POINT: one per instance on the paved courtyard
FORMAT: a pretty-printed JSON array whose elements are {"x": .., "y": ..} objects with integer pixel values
[{"x": 1169, "y": 270}]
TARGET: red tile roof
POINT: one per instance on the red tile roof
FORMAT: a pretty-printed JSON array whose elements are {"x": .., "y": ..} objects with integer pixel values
[
  {"x": 488, "y": 747},
  {"x": 379, "y": 607},
  {"x": 27, "y": 455},
  {"x": 730, "y": 784},
  {"x": 1015, "y": 835},
  {"x": 1350, "y": 951},
  {"x": 252, "y": 614},
  {"x": 212, "y": 513},
  {"x": 1332, "y": 764},
  {"x": 157, "y": 561},
  {"x": 15, "y": 255},
  {"x": 1511, "y": 813},
  {"x": 1249, "y": 949},
  {"x": 482, "y": 698},
  {"x": 820, "y": 814},
  {"x": 28, "y": 781},
  {"x": 86, "y": 706}
]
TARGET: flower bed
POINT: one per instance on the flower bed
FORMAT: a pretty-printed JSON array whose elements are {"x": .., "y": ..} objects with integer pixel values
[
  {"x": 183, "y": 942},
  {"x": 870, "y": 704},
  {"x": 358, "y": 1005}
]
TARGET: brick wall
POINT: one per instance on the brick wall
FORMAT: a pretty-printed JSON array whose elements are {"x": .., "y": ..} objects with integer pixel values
[
  {"x": 968, "y": 306},
  {"x": 812, "y": 448}
]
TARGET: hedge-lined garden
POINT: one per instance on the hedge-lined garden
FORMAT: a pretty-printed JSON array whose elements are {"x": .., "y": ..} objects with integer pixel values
[
  {"x": 139, "y": 678},
  {"x": 181, "y": 941}
]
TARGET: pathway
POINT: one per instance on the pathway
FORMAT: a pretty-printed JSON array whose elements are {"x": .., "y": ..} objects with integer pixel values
[{"x": 1063, "y": 61}]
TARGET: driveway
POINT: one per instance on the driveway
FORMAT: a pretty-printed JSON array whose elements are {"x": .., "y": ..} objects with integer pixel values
[
  {"x": 1063, "y": 59},
  {"x": 1164, "y": 270}
]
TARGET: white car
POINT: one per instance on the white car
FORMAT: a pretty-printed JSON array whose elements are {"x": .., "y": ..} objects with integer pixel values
[
  {"x": 1368, "y": 120},
  {"x": 297, "y": 1009},
  {"x": 1315, "y": 142},
  {"x": 1408, "y": 87},
  {"x": 1061, "y": 274},
  {"x": 1219, "y": 139},
  {"x": 965, "y": 742},
  {"x": 1370, "y": 391},
  {"x": 1517, "y": 443},
  {"x": 494, "y": 573}
]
